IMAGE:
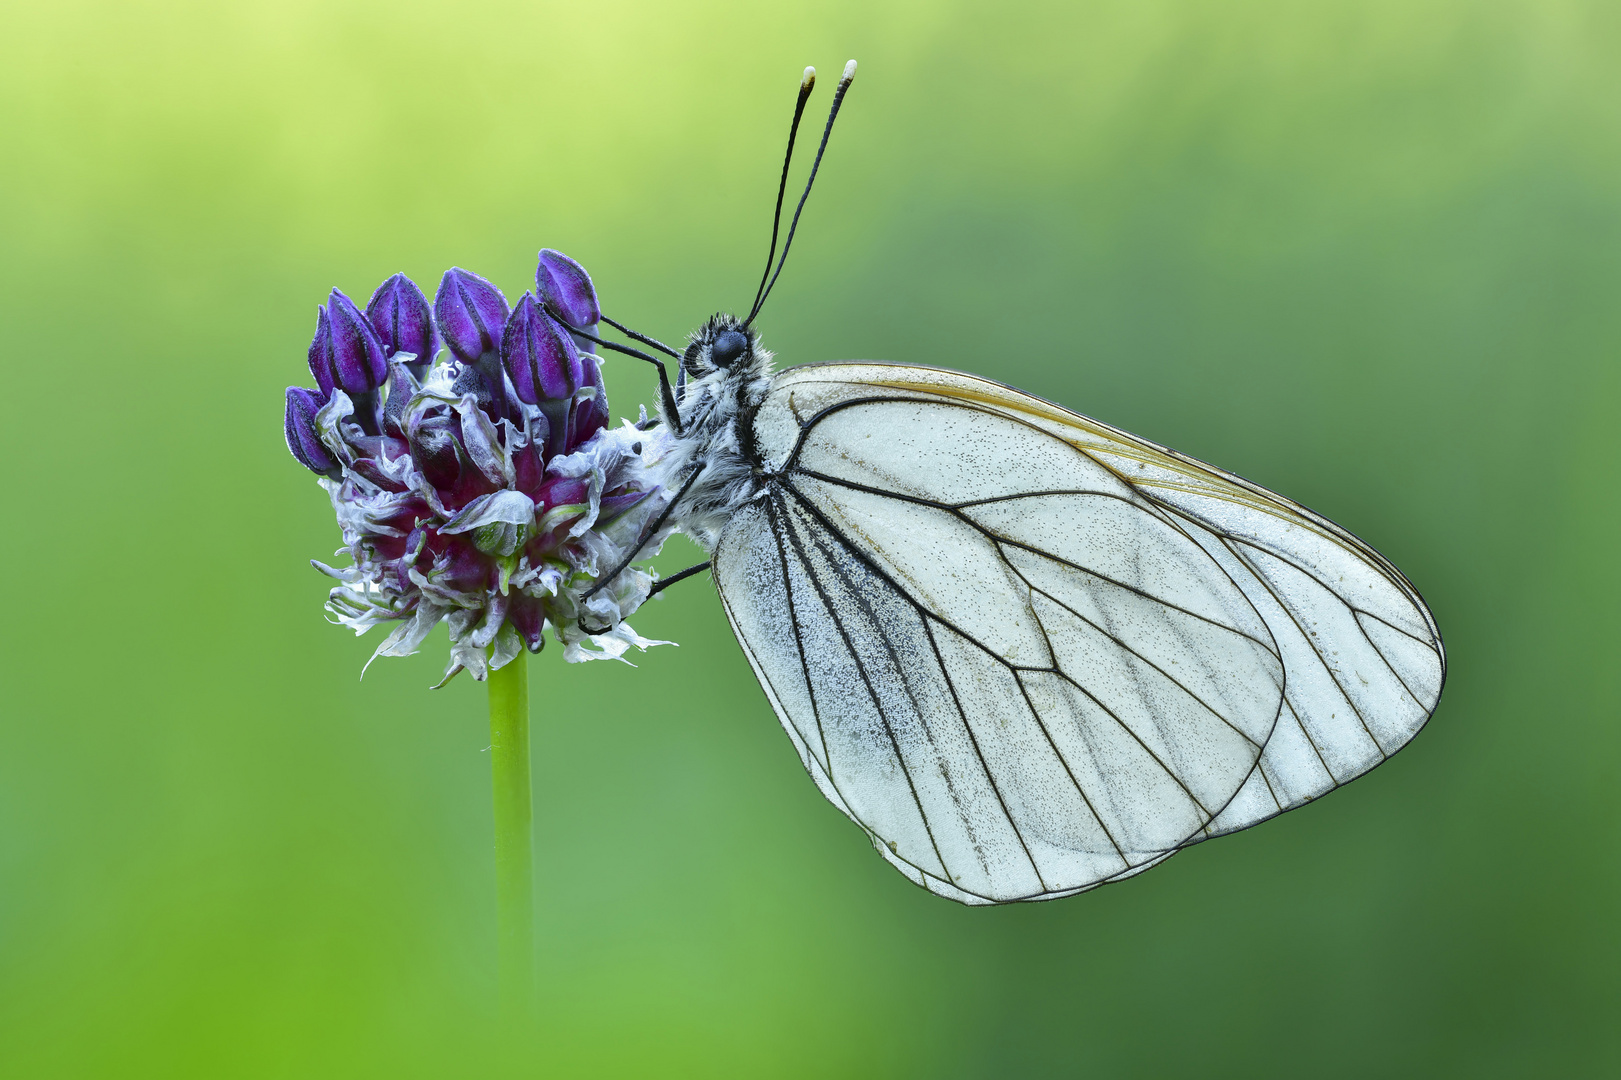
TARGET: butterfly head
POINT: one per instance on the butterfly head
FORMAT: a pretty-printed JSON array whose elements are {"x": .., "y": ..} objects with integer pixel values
[{"x": 723, "y": 344}]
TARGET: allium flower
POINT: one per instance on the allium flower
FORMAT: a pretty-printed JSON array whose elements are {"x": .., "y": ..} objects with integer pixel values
[{"x": 486, "y": 491}]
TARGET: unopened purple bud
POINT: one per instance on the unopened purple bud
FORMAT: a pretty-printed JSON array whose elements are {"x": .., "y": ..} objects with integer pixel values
[
  {"x": 539, "y": 355},
  {"x": 358, "y": 363},
  {"x": 471, "y": 313},
  {"x": 566, "y": 289},
  {"x": 402, "y": 386},
  {"x": 528, "y": 617},
  {"x": 614, "y": 505},
  {"x": 303, "y": 438},
  {"x": 400, "y": 314},
  {"x": 472, "y": 380},
  {"x": 591, "y": 416},
  {"x": 434, "y": 449},
  {"x": 321, "y": 352}
]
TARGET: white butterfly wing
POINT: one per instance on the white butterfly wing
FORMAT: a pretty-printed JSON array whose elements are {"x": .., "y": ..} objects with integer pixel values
[{"x": 1030, "y": 654}]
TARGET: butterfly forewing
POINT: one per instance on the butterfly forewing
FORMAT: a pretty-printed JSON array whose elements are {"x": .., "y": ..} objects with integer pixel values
[{"x": 1030, "y": 654}]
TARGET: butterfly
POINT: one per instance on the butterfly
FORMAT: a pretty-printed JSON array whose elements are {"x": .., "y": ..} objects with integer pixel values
[{"x": 1028, "y": 653}]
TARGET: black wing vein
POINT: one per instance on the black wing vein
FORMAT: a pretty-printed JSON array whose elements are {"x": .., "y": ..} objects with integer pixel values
[{"x": 861, "y": 667}]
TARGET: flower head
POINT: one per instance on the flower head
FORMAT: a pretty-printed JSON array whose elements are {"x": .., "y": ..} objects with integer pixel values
[{"x": 487, "y": 491}]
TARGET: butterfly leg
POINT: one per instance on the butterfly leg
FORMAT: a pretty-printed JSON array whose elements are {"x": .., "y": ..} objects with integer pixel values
[
  {"x": 665, "y": 583},
  {"x": 658, "y": 523},
  {"x": 666, "y": 395}
]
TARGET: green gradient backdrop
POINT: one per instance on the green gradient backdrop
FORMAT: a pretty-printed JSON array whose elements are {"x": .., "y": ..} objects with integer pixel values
[{"x": 1366, "y": 253}]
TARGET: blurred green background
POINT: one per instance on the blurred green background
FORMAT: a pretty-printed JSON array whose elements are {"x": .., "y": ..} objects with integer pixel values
[{"x": 1366, "y": 253}]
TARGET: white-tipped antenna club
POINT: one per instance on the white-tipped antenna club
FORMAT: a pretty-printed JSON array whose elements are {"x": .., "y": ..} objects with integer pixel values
[
  {"x": 769, "y": 280},
  {"x": 806, "y": 84}
]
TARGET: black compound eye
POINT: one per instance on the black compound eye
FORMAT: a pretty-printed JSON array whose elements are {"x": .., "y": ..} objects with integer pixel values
[{"x": 727, "y": 347}]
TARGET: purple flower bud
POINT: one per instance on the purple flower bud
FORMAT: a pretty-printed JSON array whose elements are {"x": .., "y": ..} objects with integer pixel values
[
  {"x": 539, "y": 355},
  {"x": 472, "y": 380},
  {"x": 400, "y": 314},
  {"x": 303, "y": 438},
  {"x": 321, "y": 352},
  {"x": 566, "y": 289},
  {"x": 614, "y": 505},
  {"x": 434, "y": 447},
  {"x": 591, "y": 416},
  {"x": 528, "y": 617},
  {"x": 402, "y": 385},
  {"x": 463, "y": 567},
  {"x": 529, "y": 462},
  {"x": 358, "y": 363},
  {"x": 471, "y": 313}
]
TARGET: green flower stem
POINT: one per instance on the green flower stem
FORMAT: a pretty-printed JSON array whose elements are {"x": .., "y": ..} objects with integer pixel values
[{"x": 514, "y": 858}]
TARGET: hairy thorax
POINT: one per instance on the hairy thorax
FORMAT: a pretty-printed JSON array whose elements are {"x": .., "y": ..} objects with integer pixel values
[{"x": 714, "y": 452}]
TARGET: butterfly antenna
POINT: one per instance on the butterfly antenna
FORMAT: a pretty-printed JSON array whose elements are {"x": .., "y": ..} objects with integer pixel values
[
  {"x": 806, "y": 84},
  {"x": 838, "y": 99}
]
